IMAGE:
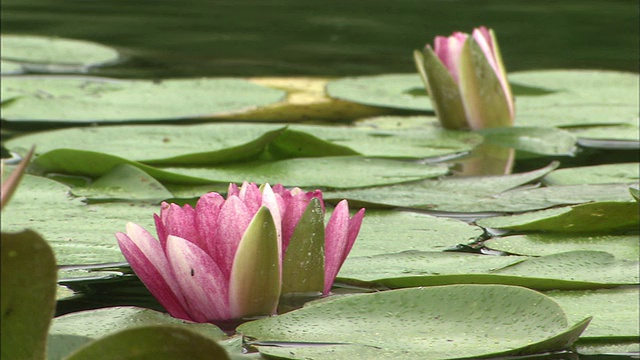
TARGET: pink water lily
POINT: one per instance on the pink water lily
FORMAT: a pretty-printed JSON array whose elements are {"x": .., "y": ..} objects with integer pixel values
[
  {"x": 466, "y": 80},
  {"x": 224, "y": 258}
]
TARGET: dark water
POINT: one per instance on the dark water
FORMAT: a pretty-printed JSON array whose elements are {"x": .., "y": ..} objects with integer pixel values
[{"x": 331, "y": 37}]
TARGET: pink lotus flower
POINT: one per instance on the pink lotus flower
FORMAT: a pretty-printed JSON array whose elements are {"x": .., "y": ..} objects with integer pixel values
[
  {"x": 466, "y": 80},
  {"x": 229, "y": 259}
]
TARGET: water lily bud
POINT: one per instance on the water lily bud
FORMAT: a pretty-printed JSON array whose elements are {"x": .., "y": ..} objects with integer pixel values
[{"x": 466, "y": 80}]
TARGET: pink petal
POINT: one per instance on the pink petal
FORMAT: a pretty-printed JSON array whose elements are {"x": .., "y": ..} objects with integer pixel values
[
  {"x": 296, "y": 206},
  {"x": 181, "y": 221},
  {"x": 207, "y": 212},
  {"x": 147, "y": 259},
  {"x": 202, "y": 282},
  {"x": 336, "y": 239},
  {"x": 340, "y": 235},
  {"x": 252, "y": 197},
  {"x": 448, "y": 50},
  {"x": 233, "y": 190},
  {"x": 233, "y": 220},
  {"x": 354, "y": 229},
  {"x": 160, "y": 230}
]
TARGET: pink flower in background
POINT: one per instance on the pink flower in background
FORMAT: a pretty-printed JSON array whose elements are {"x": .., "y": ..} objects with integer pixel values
[
  {"x": 224, "y": 258},
  {"x": 466, "y": 80}
]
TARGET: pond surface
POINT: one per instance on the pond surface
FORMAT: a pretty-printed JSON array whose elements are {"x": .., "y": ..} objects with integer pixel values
[
  {"x": 330, "y": 38},
  {"x": 193, "y": 38}
]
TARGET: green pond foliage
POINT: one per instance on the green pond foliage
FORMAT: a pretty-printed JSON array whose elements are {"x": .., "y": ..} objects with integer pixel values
[{"x": 462, "y": 254}]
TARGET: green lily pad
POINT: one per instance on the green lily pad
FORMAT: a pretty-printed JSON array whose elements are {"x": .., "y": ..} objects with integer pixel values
[
  {"x": 102, "y": 322},
  {"x": 416, "y": 143},
  {"x": 536, "y": 140},
  {"x": 605, "y": 347},
  {"x": 398, "y": 91},
  {"x": 419, "y": 122},
  {"x": 77, "y": 232},
  {"x": 50, "y": 54},
  {"x": 125, "y": 182},
  {"x": 583, "y": 218},
  {"x": 442, "y": 322},
  {"x": 10, "y": 68},
  {"x": 616, "y": 137},
  {"x": 453, "y": 194},
  {"x": 28, "y": 294},
  {"x": 303, "y": 172},
  {"x": 615, "y": 311},
  {"x": 570, "y": 270},
  {"x": 190, "y": 145},
  {"x": 621, "y": 246},
  {"x": 587, "y": 266},
  {"x": 76, "y": 99},
  {"x": 578, "y": 97},
  {"x": 597, "y": 174},
  {"x": 326, "y": 172},
  {"x": 159, "y": 342},
  {"x": 386, "y": 231},
  {"x": 612, "y": 132}
]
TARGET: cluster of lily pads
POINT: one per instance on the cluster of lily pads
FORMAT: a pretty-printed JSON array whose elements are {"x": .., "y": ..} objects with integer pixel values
[{"x": 457, "y": 257}]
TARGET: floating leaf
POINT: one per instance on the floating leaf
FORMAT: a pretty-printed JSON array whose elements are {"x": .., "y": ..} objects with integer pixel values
[
  {"x": 125, "y": 182},
  {"x": 591, "y": 217},
  {"x": 444, "y": 322},
  {"x": 416, "y": 143},
  {"x": 615, "y": 311},
  {"x": 28, "y": 294},
  {"x": 303, "y": 172},
  {"x": 186, "y": 145},
  {"x": 600, "y": 347},
  {"x": 398, "y": 91},
  {"x": 50, "y": 54},
  {"x": 597, "y": 174},
  {"x": 10, "y": 68},
  {"x": 387, "y": 231},
  {"x": 569, "y": 270},
  {"x": 621, "y": 246},
  {"x": 320, "y": 172},
  {"x": 577, "y": 98},
  {"x": 453, "y": 194},
  {"x": 76, "y": 99},
  {"x": 543, "y": 141},
  {"x": 612, "y": 137},
  {"x": 102, "y": 322},
  {"x": 78, "y": 233},
  {"x": 157, "y": 342}
]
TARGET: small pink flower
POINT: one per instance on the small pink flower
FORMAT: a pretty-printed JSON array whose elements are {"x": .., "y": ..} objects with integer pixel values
[{"x": 223, "y": 259}]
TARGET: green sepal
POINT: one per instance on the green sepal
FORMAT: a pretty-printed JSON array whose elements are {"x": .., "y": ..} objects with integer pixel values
[
  {"x": 303, "y": 264},
  {"x": 254, "y": 287},
  {"x": 28, "y": 294},
  {"x": 443, "y": 90},
  {"x": 486, "y": 104}
]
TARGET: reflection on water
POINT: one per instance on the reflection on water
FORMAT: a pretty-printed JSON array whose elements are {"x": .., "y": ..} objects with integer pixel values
[{"x": 329, "y": 38}]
